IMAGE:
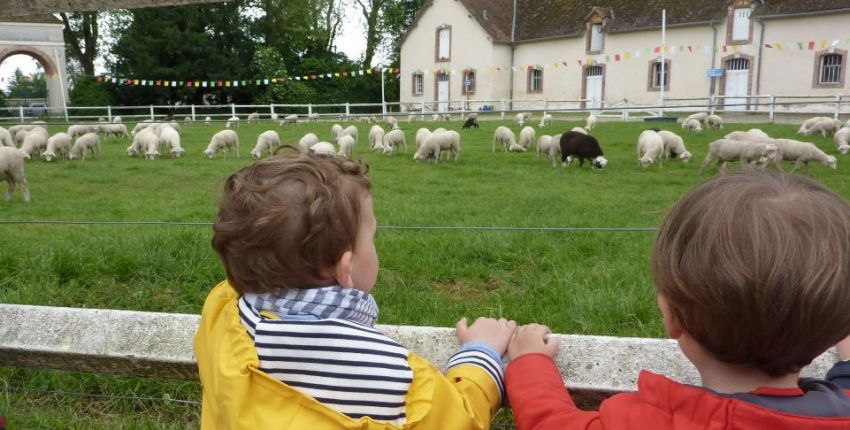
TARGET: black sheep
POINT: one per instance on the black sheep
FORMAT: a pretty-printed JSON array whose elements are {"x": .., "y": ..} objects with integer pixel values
[
  {"x": 582, "y": 146},
  {"x": 470, "y": 122}
]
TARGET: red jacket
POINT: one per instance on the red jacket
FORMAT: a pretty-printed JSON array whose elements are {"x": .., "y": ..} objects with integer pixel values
[{"x": 540, "y": 401}]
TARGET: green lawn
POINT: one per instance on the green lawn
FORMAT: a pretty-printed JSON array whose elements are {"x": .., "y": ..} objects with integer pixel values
[{"x": 576, "y": 282}]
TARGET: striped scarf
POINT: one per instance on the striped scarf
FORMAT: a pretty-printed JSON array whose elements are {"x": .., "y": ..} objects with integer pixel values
[{"x": 332, "y": 302}]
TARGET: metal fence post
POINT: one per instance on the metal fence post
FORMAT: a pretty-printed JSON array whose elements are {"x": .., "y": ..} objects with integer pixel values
[
  {"x": 193, "y": 114},
  {"x": 309, "y": 109},
  {"x": 348, "y": 111},
  {"x": 271, "y": 111},
  {"x": 837, "y": 106},
  {"x": 152, "y": 113},
  {"x": 712, "y": 100},
  {"x": 772, "y": 109},
  {"x": 109, "y": 112},
  {"x": 232, "y": 109},
  {"x": 21, "y": 111}
]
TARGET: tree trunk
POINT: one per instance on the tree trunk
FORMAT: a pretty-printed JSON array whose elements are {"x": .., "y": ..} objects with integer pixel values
[
  {"x": 372, "y": 14},
  {"x": 82, "y": 42}
]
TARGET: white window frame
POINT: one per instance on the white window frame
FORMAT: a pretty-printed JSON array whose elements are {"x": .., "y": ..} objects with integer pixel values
[
  {"x": 596, "y": 42},
  {"x": 656, "y": 75},
  {"x": 741, "y": 24},
  {"x": 535, "y": 81},
  {"x": 418, "y": 84},
  {"x": 444, "y": 44},
  {"x": 834, "y": 69}
]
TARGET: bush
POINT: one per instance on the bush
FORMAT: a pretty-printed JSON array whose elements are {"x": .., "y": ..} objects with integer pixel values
[{"x": 88, "y": 92}]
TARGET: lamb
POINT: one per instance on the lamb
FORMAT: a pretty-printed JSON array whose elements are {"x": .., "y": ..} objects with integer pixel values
[
  {"x": 150, "y": 144},
  {"x": 221, "y": 140},
  {"x": 752, "y": 135},
  {"x": 290, "y": 119},
  {"x": 140, "y": 142},
  {"x": 699, "y": 116},
  {"x": 313, "y": 117},
  {"x": 544, "y": 143},
  {"x": 114, "y": 130},
  {"x": 81, "y": 129},
  {"x": 516, "y": 148},
  {"x": 811, "y": 121},
  {"x": 393, "y": 140},
  {"x": 267, "y": 141},
  {"x": 674, "y": 146},
  {"x": 756, "y": 132},
  {"x": 520, "y": 119},
  {"x": 472, "y": 115},
  {"x": 438, "y": 130},
  {"x": 579, "y": 130},
  {"x": 101, "y": 119},
  {"x": 421, "y": 135},
  {"x": 692, "y": 125},
  {"x": 232, "y": 121},
  {"x": 59, "y": 142},
  {"x": 6, "y": 138},
  {"x": 505, "y": 136},
  {"x": 650, "y": 148},
  {"x": 714, "y": 121},
  {"x": 15, "y": 129},
  {"x": 187, "y": 119},
  {"x": 439, "y": 142},
  {"x": 823, "y": 127},
  {"x": 435, "y": 117},
  {"x": 470, "y": 122},
  {"x": 253, "y": 117},
  {"x": 323, "y": 148},
  {"x": 590, "y": 122},
  {"x": 117, "y": 120},
  {"x": 526, "y": 137},
  {"x": 555, "y": 150},
  {"x": 393, "y": 122},
  {"x": 376, "y": 138},
  {"x": 88, "y": 141},
  {"x": 307, "y": 141},
  {"x": 336, "y": 130},
  {"x": 170, "y": 139},
  {"x": 208, "y": 121},
  {"x": 138, "y": 128},
  {"x": 842, "y": 140},
  {"x": 546, "y": 120},
  {"x": 411, "y": 118},
  {"x": 345, "y": 144},
  {"x": 803, "y": 153},
  {"x": 12, "y": 171},
  {"x": 351, "y": 131},
  {"x": 34, "y": 142},
  {"x": 749, "y": 153},
  {"x": 574, "y": 144},
  {"x": 526, "y": 116}
]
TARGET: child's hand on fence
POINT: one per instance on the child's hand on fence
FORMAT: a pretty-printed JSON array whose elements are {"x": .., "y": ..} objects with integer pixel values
[
  {"x": 532, "y": 338},
  {"x": 843, "y": 348},
  {"x": 493, "y": 332}
]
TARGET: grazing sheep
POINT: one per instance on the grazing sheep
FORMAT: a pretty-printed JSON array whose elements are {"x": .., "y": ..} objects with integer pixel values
[
  {"x": 101, "y": 119},
  {"x": 351, "y": 131},
  {"x": 714, "y": 121},
  {"x": 823, "y": 127},
  {"x": 520, "y": 119},
  {"x": 544, "y": 143},
  {"x": 555, "y": 150},
  {"x": 446, "y": 117},
  {"x": 324, "y": 148},
  {"x": 117, "y": 119},
  {"x": 574, "y": 144},
  {"x": 114, "y": 130},
  {"x": 6, "y": 138},
  {"x": 810, "y": 122},
  {"x": 187, "y": 119},
  {"x": 12, "y": 171},
  {"x": 376, "y": 138},
  {"x": 253, "y": 117},
  {"x": 526, "y": 137},
  {"x": 170, "y": 139},
  {"x": 140, "y": 142},
  {"x": 224, "y": 139},
  {"x": 290, "y": 119},
  {"x": 650, "y": 148},
  {"x": 208, "y": 121},
  {"x": 421, "y": 135},
  {"x": 80, "y": 129},
  {"x": 393, "y": 140},
  {"x": 579, "y": 130},
  {"x": 692, "y": 125},
  {"x": 336, "y": 130},
  {"x": 411, "y": 118},
  {"x": 16, "y": 129},
  {"x": 699, "y": 116},
  {"x": 757, "y": 132},
  {"x": 546, "y": 120},
  {"x": 470, "y": 122},
  {"x": 842, "y": 140},
  {"x": 439, "y": 142},
  {"x": 590, "y": 122},
  {"x": 313, "y": 117},
  {"x": 59, "y": 142},
  {"x": 803, "y": 153},
  {"x": 151, "y": 146},
  {"x": 674, "y": 146},
  {"x": 392, "y": 122},
  {"x": 231, "y": 122},
  {"x": 751, "y": 135},
  {"x": 516, "y": 148},
  {"x": 749, "y": 153},
  {"x": 34, "y": 142},
  {"x": 267, "y": 141},
  {"x": 435, "y": 117},
  {"x": 138, "y": 128},
  {"x": 345, "y": 144},
  {"x": 505, "y": 137},
  {"x": 438, "y": 130},
  {"x": 473, "y": 115},
  {"x": 526, "y": 116},
  {"x": 88, "y": 141},
  {"x": 307, "y": 141}
]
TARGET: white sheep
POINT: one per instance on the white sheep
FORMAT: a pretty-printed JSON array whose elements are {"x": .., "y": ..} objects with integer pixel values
[
  {"x": 6, "y": 138},
  {"x": 86, "y": 142},
  {"x": 520, "y": 119},
  {"x": 150, "y": 145},
  {"x": 749, "y": 153},
  {"x": 435, "y": 117},
  {"x": 438, "y": 130},
  {"x": 59, "y": 142},
  {"x": 546, "y": 120},
  {"x": 809, "y": 122},
  {"x": 376, "y": 138},
  {"x": 267, "y": 141},
  {"x": 526, "y": 137},
  {"x": 393, "y": 140},
  {"x": 555, "y": 150},
  {"x": 674, "y": 146},
  {"x": 187, "y": 119},
  {"x": 80, "y": 129},
  {"x": 253, "y": 117},
  {"x": 313, "y": 117},
  {"x": 323, "y": 148},
  {"x": 421, "y": 135},
  {"x": 336, "y": 130},
  {"x": 117, "y": 120},
  {"x": 35, "y": 141},
  {"x": 138, "y": 128},
  {"x": 208, "y": 121},
  {"x": 692, "y": 125},
  {"x": 439, "y": 142},
  {"x": 714, "y": 121},
  {"x": 15, "y": 129},
  {"x": 12, "y": 171},
  {"x": 411, "y": 118},
  {"x": 345, "y": 144},
  {"x": 544, "y": 143},
  {"x": 699, "y": 116},
  {"x": 392, "y": 122},
  {"x": 758, "y": 133},
  {"x": 232, "y": 122},
  {"x": 504, "y": 136},
  {"x": 140, "y": 141},
  {"x": 579, "y": 130},
  {"x": 307, "y": 141},
  {"x": 472, "y": 115},
  {"x": 114, "y": 130},
  {"x": 224, "y": 139},
  {"x": 170, "y": 139},
  {"x": 516, "y": 148},
  {"x": 590, "y": 122},
  {"x": 842, "y": 140},
  {"x": 101, "y": 119},
  {"x": 650, "y": 148},
  {"x": 351, "y": 131},
  {"x": 802, "y": 153},
  {"x": 823, "y": 127}
]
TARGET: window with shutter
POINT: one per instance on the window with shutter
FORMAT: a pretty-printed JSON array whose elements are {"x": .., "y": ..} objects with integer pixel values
[
  {"x": 444, "y": 44},
  {"x": 595, "y": 38},
  {"x": 741, "y": 24}
]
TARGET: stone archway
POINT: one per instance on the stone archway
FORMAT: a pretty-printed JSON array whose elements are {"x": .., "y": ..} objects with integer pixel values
[{"x": 40, "y": 38}]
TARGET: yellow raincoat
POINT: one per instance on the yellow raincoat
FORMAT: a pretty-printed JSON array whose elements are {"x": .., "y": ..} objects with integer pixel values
[{"x": 237, "y": 395}]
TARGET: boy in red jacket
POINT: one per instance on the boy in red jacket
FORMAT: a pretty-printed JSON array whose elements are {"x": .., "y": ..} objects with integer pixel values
[{"x": 753, "y": 278}]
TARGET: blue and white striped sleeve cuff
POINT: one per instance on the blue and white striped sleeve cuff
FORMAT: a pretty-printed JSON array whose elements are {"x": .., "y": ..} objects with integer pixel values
[{"x": 485, "y": 357}]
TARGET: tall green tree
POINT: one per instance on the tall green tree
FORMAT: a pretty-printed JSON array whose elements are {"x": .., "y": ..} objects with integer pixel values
[
  {"x": 398, "y": 15},
  {"x": 28, "y": 87},
  {"x": 299, "y": 28},
  {"x": 81, "y": 38}
]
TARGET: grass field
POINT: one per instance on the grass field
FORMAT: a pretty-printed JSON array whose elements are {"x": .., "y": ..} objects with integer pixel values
[{"x": 576, "y": 282}]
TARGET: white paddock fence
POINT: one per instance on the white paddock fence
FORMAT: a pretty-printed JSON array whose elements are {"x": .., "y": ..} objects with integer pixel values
[
  {"x": 159, "y": 345},
  {"x": 768, "y": 107}
]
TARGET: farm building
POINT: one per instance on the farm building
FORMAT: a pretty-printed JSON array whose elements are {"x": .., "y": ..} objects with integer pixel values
[{"x": 611, "y": 51}]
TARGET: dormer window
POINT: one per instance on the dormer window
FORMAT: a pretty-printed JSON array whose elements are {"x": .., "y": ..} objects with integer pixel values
[
  {"x": 597, "y": 20},
  {"x": 444, "y": 43},
  {"x": 595, "y": 38},
  {"x": 739, "y": 26}
]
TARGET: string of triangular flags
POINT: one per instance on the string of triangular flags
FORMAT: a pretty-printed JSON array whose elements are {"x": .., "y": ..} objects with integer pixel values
[{"x": 228, "y": 83}]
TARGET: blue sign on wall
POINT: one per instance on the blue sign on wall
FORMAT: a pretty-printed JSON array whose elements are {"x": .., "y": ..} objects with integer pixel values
[{"x": 714, "y": 73}]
